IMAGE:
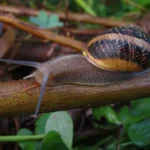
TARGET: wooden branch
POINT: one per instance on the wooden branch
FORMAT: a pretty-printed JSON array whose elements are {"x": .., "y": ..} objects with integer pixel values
[
  {"x": 20, "y": 97},
  {"x": 71, "y": 16}
]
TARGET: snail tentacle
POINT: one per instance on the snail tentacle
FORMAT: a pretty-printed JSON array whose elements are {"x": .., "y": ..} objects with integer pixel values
[
  {"x": 24, "y": 63},
  {"x": 30, "y": 76},
  {"x": 43, "y": 86}
]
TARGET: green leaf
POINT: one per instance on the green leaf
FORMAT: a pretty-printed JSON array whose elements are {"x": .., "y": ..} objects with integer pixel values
[
  {"x": 141, "y": 117},
  {"x": 40, "y": 20},
  {"x": 25, "y": 131},
  {"x": 40, "y": 123},
  {"x": 139, "y": 133},
  {"x": 54, "y": 21},
  {"x": 53, "y": 141},
  {"x": 29, "y": 146},
  {"x": 141, "y": 106},
  {"x": 139, "y": 110},
  {"x": 124, "y": 114},
  {"x": 62, "y": 123},
  {"x": 44, "y": 20},
  {"x": 97, "y": 113},
  {"x": 108, "y": 113}
]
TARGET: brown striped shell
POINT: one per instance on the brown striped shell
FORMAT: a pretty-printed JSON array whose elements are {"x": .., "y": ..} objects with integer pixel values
[{"x": 124, "y": 48}]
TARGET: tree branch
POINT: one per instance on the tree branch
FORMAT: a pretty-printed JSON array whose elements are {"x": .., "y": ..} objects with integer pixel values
[{"x": 20, "y": 97}]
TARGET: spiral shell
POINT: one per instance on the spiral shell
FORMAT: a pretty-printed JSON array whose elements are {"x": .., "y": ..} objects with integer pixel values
[{"x": 124, "y": 48}]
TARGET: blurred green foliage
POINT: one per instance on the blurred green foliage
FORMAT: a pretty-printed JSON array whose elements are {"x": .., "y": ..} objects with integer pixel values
[
  {"x": 105, "y": 8},
  {"x": 115, "y": 8}
]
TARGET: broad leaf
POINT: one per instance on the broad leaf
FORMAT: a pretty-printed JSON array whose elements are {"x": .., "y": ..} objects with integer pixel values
[
  {"x": 40, "y": 123},
  {"x": 53, "y": 141},
  {"x": 124, "y": 114},
  {"x": 24, "y": 145},
  {"x": 108, "y": 113},
  {"x": 139, "y": 133},
  {"x": 62, "y": 123},
  {"x": 141, "y": 106}
]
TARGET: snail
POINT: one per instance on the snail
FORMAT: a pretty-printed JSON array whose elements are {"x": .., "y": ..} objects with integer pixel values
[{"x": 118, "y": 54}]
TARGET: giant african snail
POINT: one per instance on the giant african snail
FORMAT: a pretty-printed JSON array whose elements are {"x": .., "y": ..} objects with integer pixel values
[{"x": 118, "y": 54}]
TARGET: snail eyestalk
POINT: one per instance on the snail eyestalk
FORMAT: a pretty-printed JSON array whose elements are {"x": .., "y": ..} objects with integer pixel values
[
  {"x": 43, "y": 86},
  {"x": 30, "y": 76},
  {"x": 24, "y": 63}
]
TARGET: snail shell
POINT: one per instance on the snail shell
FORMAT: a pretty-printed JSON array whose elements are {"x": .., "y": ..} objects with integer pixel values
[{"x": 124, "y": 48}]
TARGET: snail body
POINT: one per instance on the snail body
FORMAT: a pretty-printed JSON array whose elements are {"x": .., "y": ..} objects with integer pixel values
[
  {"x": 118, "y": 54},
  {"x": 74, "y": 69}
]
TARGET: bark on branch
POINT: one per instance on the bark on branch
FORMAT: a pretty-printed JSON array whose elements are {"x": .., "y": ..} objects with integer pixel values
[{"x": 20, "y": 97}]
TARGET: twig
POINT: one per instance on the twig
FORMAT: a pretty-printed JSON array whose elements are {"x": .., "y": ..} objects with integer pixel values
[
  {"x": 44, "y": 34},
  {"x": 71, "y": 16}
]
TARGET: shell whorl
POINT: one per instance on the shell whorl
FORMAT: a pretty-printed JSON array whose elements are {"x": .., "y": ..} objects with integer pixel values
[{"x": 120, "y": 49}]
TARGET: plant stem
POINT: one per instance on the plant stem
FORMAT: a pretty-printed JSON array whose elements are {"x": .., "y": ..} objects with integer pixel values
[{"x": 15, "y": 138}]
